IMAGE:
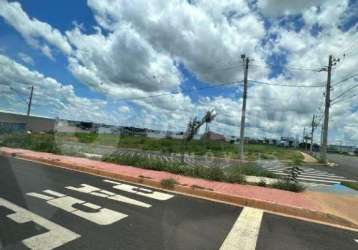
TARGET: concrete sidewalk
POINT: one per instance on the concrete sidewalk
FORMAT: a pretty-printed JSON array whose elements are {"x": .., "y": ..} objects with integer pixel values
[{"x": 326, "y": 208}]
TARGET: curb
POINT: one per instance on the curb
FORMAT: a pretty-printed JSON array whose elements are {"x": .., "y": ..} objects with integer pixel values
[{"x": 314, "y": 215}]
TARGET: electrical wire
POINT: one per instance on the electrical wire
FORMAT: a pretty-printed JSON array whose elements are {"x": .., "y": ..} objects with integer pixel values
[
  {"x": 177, "y": 92},
  {"x": 344, "y": 93},
  {"x": 344, "y": 79},
  {"x": 287, "y": 85},
  {"x": 345, "y": 99}
]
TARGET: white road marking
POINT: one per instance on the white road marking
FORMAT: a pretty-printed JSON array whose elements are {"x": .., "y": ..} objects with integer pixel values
[
  {"x": 50, "y": 192},
  {"x": 109, "y": 195},
  {"x": 141, "y": 191},
  {"x": 55, "y": 237},
  {"x": 324, "y": 177},
  {"x": 244, "y": 233},
  {"x": 102, "y": 216},
  {"x": 356, "y": 240}
]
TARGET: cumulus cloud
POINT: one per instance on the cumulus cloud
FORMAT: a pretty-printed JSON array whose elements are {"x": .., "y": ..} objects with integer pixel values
[
  {"x": 121, "y": 58},
  {"x": 32, "y": 29},
  {"x": 275, "y": 8},
  {"x": 51, "y": 97}
]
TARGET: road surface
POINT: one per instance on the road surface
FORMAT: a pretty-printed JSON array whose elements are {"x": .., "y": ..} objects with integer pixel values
[
  {"x": 347, "y": 164},
  {"x": 46, "y": 208}
]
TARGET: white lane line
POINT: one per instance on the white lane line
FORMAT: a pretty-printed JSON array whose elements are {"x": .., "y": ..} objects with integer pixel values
[
  {"x": 141, "y": 191},
  {"x": 88, "y": 189},
  {"x": 99, "y": 215},
  {"x": 356, "y": 240},
  {"x": 244, "y": 233},
  {"x": 55, "y": 237}
]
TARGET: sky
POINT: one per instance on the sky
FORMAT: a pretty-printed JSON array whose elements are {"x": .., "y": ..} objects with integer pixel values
[{"x": 159, "y": 63}]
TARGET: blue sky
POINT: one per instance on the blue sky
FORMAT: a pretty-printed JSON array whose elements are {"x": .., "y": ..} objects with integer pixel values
[{"x": 112, "y": 56}]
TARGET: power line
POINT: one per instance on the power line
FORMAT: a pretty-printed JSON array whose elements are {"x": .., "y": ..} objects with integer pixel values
[
  {"x": 345, "y": 79},
  {"x": 345, "y": 99},
  {"x": 238, "y": 65},
  {"x": 287, "y": 85},
  {"x": 344, "y": 93},
  {"x": 177, "y": 92},
  {"x": 264, "y": 64}
]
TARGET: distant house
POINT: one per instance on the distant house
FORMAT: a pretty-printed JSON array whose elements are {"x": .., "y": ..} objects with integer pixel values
[
  {"x": 212, "y": 136},
  {"x": 18, "y": 123}
]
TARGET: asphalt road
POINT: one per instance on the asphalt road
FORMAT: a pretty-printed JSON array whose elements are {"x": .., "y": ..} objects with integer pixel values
[
  {"x": 347, "y": 164},
  {"x": 45, "y": 208}
]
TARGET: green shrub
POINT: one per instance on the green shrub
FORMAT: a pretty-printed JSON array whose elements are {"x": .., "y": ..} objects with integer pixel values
[
  {"x": 235, "y": 177},
  {"x": 168, "y": 183},
  {"x": 215, "y": 174},
  {"x": 289, "y": 186}
]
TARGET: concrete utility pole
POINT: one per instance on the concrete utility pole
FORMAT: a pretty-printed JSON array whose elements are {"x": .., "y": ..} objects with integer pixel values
[
  {"x": 326, "y": 112},
  {"x": 312, "y": 131},
  {"x": 304, "y": 139},
  {"x": 246, "y": 61},
  {"x": 30, "y": 101}
]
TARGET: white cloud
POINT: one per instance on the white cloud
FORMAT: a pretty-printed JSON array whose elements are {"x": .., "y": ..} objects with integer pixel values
[
  {"x": 199, "y": 35},
  {"x": 51, "y": 97},
  {"x": 26, "y": 58},
  {"x": 32, "y": 29},
  {"x": 276, "y": 8},
  {"x": 122, "y": 58}
]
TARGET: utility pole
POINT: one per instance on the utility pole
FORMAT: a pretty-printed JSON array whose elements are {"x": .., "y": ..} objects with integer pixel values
[
  {"x": 246, "y": 61},
  {"x": 30, "y": 101},
  {"x": 326, "y": 112},
  {"x": 304, "y": 138},
  {"x": 312, "y": 131}
]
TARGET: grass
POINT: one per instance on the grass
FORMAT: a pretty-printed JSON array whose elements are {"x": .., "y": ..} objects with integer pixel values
[
  {"x": 172, "y": 167},
  {"x": 352, "y": 185},
  {"x": 235, "y": 174},
  {"x": 250, "y": 169},
  {"x": 36, "y": 142},
  {"x": 168, "y": 183},
  {"x": 86, "y": 137},
  {"x": 232, "y": 175},
  {"x": 217, "y": 149}
]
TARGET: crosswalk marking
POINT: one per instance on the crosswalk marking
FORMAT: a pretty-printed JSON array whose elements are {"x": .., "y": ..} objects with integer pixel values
[
  {"x": 244, "y": 233},
  {"x": 55, "y": 237},
  {"x": 109, "y": 195},
  {"x": 308, "y": 175},
  {"x": 140, "y": 191},
  {"x": 99, "y": 215},
  {"x": 315, "y": 176}
]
